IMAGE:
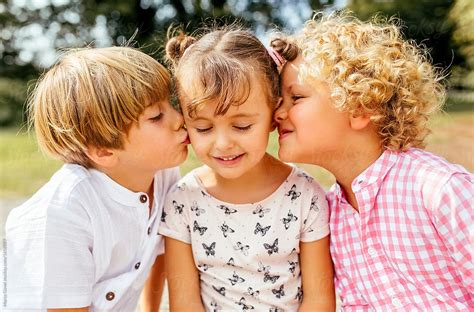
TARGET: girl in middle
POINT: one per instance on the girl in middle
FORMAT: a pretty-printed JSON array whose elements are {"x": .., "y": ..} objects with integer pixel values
[{"x": 245, "y": 231}]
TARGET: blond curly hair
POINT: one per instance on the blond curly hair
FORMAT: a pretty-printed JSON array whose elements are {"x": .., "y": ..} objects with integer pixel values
[{"x": 371, "y": 70}]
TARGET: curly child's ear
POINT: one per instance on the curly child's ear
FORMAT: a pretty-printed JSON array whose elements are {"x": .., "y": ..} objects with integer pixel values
[
  {"x": 101, "y": 156},
  {"x": 359, "y": 122}
]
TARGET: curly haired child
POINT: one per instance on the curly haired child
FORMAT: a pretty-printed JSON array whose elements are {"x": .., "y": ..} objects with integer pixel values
[
  {"x": 245, "y": 231},
  {"x": 87, "y": 240},
  {"x": 356, "y": 101}
]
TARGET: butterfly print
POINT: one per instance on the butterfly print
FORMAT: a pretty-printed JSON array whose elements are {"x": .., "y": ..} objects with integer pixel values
[
  {"x": 261, "y": 230},
  {"x": 231, "y": 262},
  {"x": 178, "y": 208},
  {"x": 204, "y": 194},
  {"x": 195, "y": 208},
  {"x": 293, "y": 265},
  {"x": 226, "y": 229},
  {"x": 236, "y": 279},
  {"x": 293, "y": 193},
  {"x": 227, "y": 210},
  {"x": 260, "y": 211},
  {"x": 314, "y": 203},
  {"x": 290, "y": 218},
  {"x": 181, "y": 186},
  {"x": 251, "y": 292},
  {"x": 215, "y": 306},
  {"x": 279, "y": 292},
  {"x": 243, "y": 303},
  {"x": 275, "y": 309},
  {"x": 243, "y": 248},
  {"x": 220, "y": 290},
  {"x": 200, "y": 229},
  {"x": 292, "y": 251},
  {"x": 209, "y": 249},
  {"x": 299, "y": 294},
  {"x": 189, "y": 228},
  {"x": 163, "y": 217},
  {"x": 271, "y": 249},
  {"x": 307, "y": 177},
  {"x": 270, "y": 278},
  {"x": 263, "y": 268},
  {"x": 204, "y": 266}
]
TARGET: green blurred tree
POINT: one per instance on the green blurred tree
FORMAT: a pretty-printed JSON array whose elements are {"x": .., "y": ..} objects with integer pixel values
[{"x": 425, "y": 21}]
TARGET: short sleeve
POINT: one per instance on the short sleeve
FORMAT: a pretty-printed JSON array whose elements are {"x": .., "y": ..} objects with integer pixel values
[
  {"x": 175, "y": 217},
  {"x": 453, "y": 217},
  {"x": 49, "y": 261},
  {"x": 316, "y": 214}
]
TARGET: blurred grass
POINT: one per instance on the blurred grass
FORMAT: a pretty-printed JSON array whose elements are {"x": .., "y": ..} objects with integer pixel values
[{"x": 23, "y": 168}]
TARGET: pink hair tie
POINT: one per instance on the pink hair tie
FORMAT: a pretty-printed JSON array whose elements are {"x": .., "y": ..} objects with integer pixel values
[{"x": 277, "y": 58}]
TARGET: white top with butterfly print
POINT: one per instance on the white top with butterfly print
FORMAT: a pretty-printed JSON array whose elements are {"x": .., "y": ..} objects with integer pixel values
[{"x": 247, "y": 254}]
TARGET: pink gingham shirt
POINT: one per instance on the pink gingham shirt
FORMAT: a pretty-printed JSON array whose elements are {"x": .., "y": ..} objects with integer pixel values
[{"x": 411, "y": 245}]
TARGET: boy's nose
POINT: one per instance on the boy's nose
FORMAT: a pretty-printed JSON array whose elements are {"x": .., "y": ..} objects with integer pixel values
[{"x": 178, "y": 121}]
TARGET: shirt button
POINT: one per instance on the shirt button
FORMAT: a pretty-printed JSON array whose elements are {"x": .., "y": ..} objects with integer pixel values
[
  {"x": 110, "y": 296},
  {"x": 396, "y": 302},
  {"x": 137, "y": 265},
  {"x": 143, "y": 198},
  {"x": 372, "y": 251},
  {"x": 149, "y": 230}
]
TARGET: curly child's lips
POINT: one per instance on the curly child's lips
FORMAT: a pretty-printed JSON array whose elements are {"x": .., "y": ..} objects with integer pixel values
[{"x": 284, "y": 133}]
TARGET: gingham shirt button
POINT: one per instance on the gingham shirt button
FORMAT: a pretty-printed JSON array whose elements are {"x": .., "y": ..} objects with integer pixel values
[
  {"x": 372, "y": 251},
  {"x": 396, "y": 302},
  {"x": 137, "y": 265},
  {"x": 110, "y": 296}
]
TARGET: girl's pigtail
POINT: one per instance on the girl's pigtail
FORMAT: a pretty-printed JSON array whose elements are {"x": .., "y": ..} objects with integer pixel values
[
  {"x": 176, "y": 46},
  {"x": 288, "y": 50}
]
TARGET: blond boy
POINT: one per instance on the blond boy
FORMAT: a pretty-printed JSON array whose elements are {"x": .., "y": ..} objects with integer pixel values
[{"x": 87, "y": 240}]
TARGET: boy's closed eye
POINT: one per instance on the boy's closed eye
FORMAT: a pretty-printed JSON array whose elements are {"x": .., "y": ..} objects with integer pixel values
[{"x": 157, "y": 117}]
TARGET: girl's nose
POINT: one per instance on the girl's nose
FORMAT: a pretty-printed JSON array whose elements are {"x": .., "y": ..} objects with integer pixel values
[{"x": 223, "y": 142}]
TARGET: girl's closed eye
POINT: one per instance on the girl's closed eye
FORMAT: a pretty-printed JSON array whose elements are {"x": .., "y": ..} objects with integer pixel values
[
  {"x": 243, "y": 128},
  {"x": 203, "y": 129}
]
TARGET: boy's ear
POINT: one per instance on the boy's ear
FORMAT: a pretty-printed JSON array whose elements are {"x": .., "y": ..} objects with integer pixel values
[
  {"x": 359, "y": 122},
  {"x": 104, "y": 157}
]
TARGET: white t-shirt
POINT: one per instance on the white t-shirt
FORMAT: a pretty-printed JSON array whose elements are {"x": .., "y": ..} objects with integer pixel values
[
  {"x": 82, "y": 240},
  {"x": 247, "y": 254}
]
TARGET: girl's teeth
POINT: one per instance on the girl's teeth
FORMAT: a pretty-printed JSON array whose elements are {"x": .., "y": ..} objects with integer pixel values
[{"x": 229, "y": 158}]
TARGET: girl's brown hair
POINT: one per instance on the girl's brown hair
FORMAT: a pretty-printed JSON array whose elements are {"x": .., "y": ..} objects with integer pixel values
[{"x": 221, "y": 64}]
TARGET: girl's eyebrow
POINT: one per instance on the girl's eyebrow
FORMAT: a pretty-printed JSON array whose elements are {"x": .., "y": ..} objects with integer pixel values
[{"x": 238, "y": 115}]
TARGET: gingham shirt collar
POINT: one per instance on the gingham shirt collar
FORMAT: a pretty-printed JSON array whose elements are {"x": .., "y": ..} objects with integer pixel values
[{"x": 375, "y": 173}]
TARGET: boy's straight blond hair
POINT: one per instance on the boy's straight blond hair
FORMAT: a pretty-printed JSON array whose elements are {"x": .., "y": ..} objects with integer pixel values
[{"x": 91, "y": 96}]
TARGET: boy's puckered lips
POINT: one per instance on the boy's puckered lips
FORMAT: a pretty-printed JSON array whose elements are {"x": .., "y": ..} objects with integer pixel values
[{"x": 186, "y": 140}]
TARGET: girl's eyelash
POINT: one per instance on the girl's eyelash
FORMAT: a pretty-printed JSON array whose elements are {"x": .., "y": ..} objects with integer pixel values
[
  {"x": 202, "y": 130},
  {"x": 296, "y": 97},
  {"x": 245, "y": 128}
]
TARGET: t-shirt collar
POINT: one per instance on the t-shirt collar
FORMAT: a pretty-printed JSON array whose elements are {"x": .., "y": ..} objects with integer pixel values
[{"x": 120, "y": 193}]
